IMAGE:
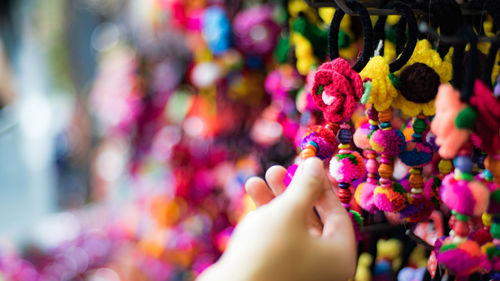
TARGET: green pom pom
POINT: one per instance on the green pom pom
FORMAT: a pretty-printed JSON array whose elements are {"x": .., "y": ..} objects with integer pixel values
[
  {"x": 492, "y": 252},
  {"x": 395, "y": 80},
  {"x": 495, "y": 230},
  {"x": 367, "y": 89},
  {"x": 495, "y": 195},
  {"x": 351, "y": 157},
  {"x": 398, "y": 188},
  {"x": 466, "y": 118},
  {"x": 447, "y": 247},
  {"x": 357, "y": 218}
]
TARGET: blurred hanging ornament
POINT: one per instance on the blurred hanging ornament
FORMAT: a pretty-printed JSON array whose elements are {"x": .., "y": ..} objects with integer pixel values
[
  {"x": 216, "y": 29},
  {"x": 255, "y": 30}
]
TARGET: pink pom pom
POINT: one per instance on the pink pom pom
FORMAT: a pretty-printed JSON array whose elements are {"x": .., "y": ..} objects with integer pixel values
[
  {"x": 461, "y": 259},
  {"x": 469, "y": 198},
  {"x": 347, "y": 167},
  {"x": 418, "y": 209},
  {"x": 431, "y": 190},
  {"x": 390, "y": 199},
  {"x": 324, "y": 138},
  {"x": 361, "y": 137},
  {"x": 390, "y": 142},
  {"x": 364, "y": 196}
]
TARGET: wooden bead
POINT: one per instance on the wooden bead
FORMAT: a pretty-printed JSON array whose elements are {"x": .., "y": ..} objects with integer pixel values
[
  {"x": 307, "y": 153},
  {"x": 344, "y": 195},
  {"x": 493, "y": 165},
  {"x": 385, "y": 116},
  {"x": 385, "y": 170},
  {"x": 312, "y": 147}
]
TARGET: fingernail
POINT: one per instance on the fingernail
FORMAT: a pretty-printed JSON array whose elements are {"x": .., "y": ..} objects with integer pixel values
[{"x": 313, "y": 167}]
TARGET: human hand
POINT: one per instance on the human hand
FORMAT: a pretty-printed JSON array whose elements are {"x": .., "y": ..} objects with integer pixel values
[{"x": 283, "y": 239}]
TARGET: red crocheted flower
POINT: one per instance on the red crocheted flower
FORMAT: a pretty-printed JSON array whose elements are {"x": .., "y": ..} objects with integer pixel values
[{"x": 336, "y": 90}]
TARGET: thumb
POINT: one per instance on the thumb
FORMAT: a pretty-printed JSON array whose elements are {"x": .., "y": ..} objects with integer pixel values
[{"x": 306, "y": 186}]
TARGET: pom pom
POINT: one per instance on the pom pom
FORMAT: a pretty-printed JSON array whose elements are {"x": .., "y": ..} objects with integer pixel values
[
  {"x": 418, "y": 209},
  {"x": 255, "y": 30},
  {"x": 469, "y": 198},
  {"x": 421, "y": 154},
  {"x": 357, "y": 223},
  {"x": 494, "y": 206},
  {"x": 431, "y": 190},
  {"x": 419, "y": 83},
  {"x": 390, "y": 199},
  {"x": 347, "y": 167},
  {"x": 282, "y": 81},
  {"x": 364, "y": 196},
  {"x": 390, "y": 142},
  {"x": 324, "y": 139},
  {"x": 461, "y": 259},
  {"x": 336, "y": 89},
  {"x": 361, "y": 137},
  {"x": 481, "y": 236}
]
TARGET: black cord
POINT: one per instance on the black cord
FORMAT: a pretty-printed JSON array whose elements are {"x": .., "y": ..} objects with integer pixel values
[
  {"x": 488, "y": 65},
  {"x": 493, "y": 8},
  {"x": 449, "y": 17},
  {"x": 409, "y": 17},
  {"x": 333, "y": 35},
  {"x": 400, "y": 35},
  {"x": 471, "y": 68}
]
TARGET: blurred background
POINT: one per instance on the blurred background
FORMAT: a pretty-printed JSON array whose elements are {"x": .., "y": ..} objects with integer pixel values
[{"x": 128, "y": 127}]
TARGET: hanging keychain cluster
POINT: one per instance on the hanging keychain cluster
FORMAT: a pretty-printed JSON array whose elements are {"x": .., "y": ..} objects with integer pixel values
[{"x": 425, "y": 117}]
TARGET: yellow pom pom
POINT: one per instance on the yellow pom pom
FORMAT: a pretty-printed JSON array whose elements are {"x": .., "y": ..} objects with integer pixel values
[
  {"x": 383, "y": 92},
  {"x": 363, "y": 272},
  {"x": 389, "y": 249}
]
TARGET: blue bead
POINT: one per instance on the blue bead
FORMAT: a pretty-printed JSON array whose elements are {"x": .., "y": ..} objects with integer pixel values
[
  {"x": 463, "y": 163},
  {"x": 344, "y": 136},
  {"x": 344, "y": 185},
  {"x": 488, "y": 174},
  {"x": 314, "y": 144},
  {"x": 495, "y": 219},
  {"x": 385, "y": 125},
  {"x": 373, "y": 127},
  {"x": 416, "y": 136}
]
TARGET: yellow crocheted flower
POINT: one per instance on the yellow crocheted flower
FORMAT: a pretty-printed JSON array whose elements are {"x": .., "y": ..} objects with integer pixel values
[
  {"x": 424, "y": 53},
  {"x": 383, "y": 91}
]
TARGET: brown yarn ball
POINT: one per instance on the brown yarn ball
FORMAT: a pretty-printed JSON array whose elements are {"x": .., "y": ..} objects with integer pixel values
[{"x": 419, "y": 83}]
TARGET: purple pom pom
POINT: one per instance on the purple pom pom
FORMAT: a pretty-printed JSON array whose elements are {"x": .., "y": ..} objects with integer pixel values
[{"x": 390, "y": 142}]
